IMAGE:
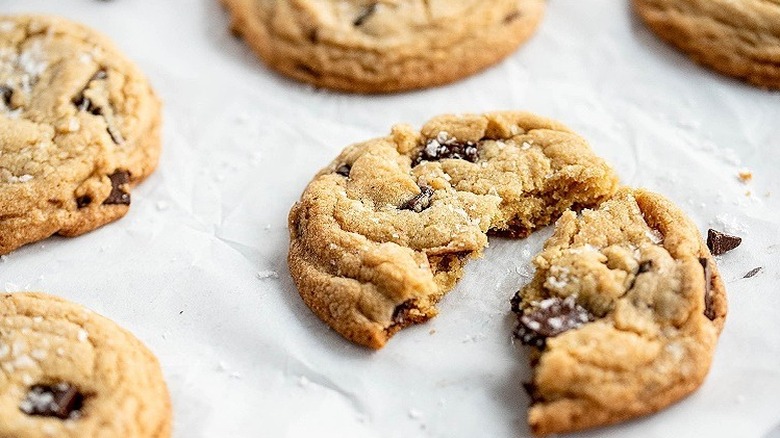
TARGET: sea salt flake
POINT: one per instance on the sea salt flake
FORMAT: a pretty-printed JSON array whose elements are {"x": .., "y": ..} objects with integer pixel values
[
  {"x": 262, "y": 275},
  {"x": 82, "y": 335}
]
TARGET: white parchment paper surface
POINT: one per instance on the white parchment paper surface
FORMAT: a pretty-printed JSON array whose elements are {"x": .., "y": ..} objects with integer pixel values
[{"x": 197, "y": 268}]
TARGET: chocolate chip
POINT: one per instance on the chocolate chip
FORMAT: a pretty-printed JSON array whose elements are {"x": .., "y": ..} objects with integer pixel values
[
  {"x": 6, "y": 94},
  {"x": 442, "y": 147},
  {"x": 549, "y": 318},
  {"x": 344, "y": 170},
  {"x": 709, "y": 311},
  {"x": 419, "y": 202},
  {"x": 83, "y": 201},
  {"x": 721, "y": 243},
  {"x": 645, "y": 266},
  {"x": 365, "y": 14},
  {"x": 752, "y": 273},
  {"x": 62, "y": 400},
  {"x": 118, "y": 195}
]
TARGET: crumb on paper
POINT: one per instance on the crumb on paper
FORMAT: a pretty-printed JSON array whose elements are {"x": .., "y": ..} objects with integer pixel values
[
  {"x": 415, "y": 414},
  {"x": 262, "y": 275},
  {"x": 162, "y": 205},
  {"x": 745, "y": 176},
  {"x": 304, "y": 382}
]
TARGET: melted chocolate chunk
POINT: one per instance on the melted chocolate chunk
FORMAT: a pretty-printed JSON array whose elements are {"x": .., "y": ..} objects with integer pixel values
[
  {"x": 645, "y": 267},
  {"x": 752, "y": 273},
  {"x": 62, "y": 400},
  {"x": 118, "y": 195},
  {"x": 83, "y": 201},
  {"x": 83, "y": 103},
  {"x": 6, "y": 94},
  {"x": 550, "y": 318},
  {"x": 442, "y": 147},
  {"x": 365, "y": 14},
  {"x": 419, "y": 202},
  {"x": 721, "y": 243},
  {"x": 344, "y": 170},
  {"x": 709, "y": 312},
  {"x": 532, "y": 391}
]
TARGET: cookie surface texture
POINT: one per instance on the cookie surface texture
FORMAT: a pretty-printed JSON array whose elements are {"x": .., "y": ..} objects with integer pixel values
[
  {"x": 739, "y": 38},
  {"x": 382, "y": 233},
  {"x": 69, "y": 372},
  {"x": 383, "y": 46},
  {"x": 79, "y": 126},
  {"x": 622, "y": 315}
]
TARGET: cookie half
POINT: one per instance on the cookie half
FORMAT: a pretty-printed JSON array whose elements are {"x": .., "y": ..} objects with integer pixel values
[
  {"x": 739, "y": 38},
  {"x": 79, "y": 127},
  {"x": 69, "y": 372},
  {"x": 383, "y": 46},
  {"x": 385, "y": 230},
  {"x": 623, "y": 314}
]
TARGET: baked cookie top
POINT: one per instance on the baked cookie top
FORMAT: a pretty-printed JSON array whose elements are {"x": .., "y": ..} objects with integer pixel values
[
  {"x": 79, "y": 125},
  {"x": 383, "y": 45},
  {"x": 623, "y": 314},
  {"x": 384, "y": 231},
  {"x": 739, "y": 38},
  {"x": 68, "y": 372}
]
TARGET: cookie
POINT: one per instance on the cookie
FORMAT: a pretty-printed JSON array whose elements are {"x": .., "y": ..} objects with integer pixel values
[
  {"x": 622, "y": 315},
  {"x": 79, "y": 127},
  {"x": 739, "y": 38},
  {"x": 69, "y": 372},
  {"x": 385, "y": 230},
  {"x": 383, "y": 46}
]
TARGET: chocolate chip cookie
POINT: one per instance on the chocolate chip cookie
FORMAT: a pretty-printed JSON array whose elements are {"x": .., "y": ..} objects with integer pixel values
[
  {"x": 68, "y": 372},
  {"x": 622, "y": 315},
  {"x": 79, "y": 127},
  {"x": 380, "y": 46},
  {"x": 385, "y": 230},
  {"x": 739, "y": 38}
]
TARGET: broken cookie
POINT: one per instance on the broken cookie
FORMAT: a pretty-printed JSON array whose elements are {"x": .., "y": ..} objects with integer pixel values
[
  {"x": 622, "y": 315},
  {"x": 381, "y": 234}
]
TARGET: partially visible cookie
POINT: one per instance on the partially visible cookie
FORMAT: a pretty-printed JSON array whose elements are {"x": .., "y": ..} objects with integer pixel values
[
  {"x": 739, "y": 38},
  {"x": 385, "y": 230},
  {"x": 79, "y": 126},
  {"x": 623, "y": 314},
  {"x": 69, "y": 372},
  {"x": 380, "y": 46}
]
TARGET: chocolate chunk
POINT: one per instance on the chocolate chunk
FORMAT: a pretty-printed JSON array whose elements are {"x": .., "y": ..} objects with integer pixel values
[
  {"x": 752, "y": 273},
  {"x": 550, "y": 318},
  {"x": 721, "y": 243},
  {"x": 344, "y": 170},
  {"x": 442, "y": 147},
  {"x": 533, "y": 391},
  {"x": 6, "y": 94},
  {"x": 83, "y": 103},
  {"x": 62, "y": 400},
  {"x": 419, "y": 202},
  {"x": 365, "y": 14},
  {"x": 645, "y": 266},
  {"x": 709, "y": 311},
  {"x": 83, "y": 201},
  {"x": 119, "y": 181}
]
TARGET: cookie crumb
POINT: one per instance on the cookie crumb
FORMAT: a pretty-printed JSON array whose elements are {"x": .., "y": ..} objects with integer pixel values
[
  {"x": 303, "y": 382},
  {"x": 414, "y": 414},
  {"x": 745, "y": 176},
  {"x": 162, "y": 205}
]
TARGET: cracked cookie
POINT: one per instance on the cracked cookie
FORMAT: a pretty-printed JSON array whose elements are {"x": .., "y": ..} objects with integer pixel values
[
  {"x": 383, "y": 46},
  {"x": 385, "y": 230},
  {"x": 79, "y": 126},
  {"x": 622, "y": 315},
  {"x": 69, "y": 372},
  {"x": 739, "y": 38}
]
